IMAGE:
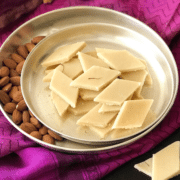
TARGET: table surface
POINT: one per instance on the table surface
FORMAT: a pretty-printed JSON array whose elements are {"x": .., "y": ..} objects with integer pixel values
[{"x": 128, "y": 172}]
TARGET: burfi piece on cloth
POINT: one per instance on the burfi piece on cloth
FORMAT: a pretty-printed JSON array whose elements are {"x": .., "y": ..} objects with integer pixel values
[
  {"x": 132, "y": 114},
  {"x": 60, "y": 84},
  {"x": 63, "y": 54},
  {"x": 95, "y": 78}
]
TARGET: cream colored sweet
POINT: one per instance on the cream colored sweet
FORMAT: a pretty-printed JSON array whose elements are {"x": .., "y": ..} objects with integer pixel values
[
  {"x": 117, "y": 92},
  {"x": 94, "y": 118},
  {"x": 63, "y": 54},
  {"x": 92, "y": 53},
  {"x": 82, "y": 107},
  {"x": 132, "y": 114},
  {"x": 88, "y": 61},
  {"x": 95, "y": 78},
  {"x": 122, "y": 61},
  {"x": 60, "y": 84},
  {"x": 59, "y": 103},
  {"x": 109, "y": 108},
  {"x": 102, "y": 50}
]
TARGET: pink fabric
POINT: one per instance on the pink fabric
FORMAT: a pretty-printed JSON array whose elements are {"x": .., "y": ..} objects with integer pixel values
[{"x": 23, "y": 159}]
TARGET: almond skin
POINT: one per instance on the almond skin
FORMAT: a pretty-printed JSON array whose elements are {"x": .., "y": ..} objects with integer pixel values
[
  {"x": 26, "y": 116},
  {"x": 43, "y": 130},
  {"x": 11, "y": 64},
  {"x": 13, "y": 90},
  {"x": 37, "y": 39},
  {"x": 49, "y": 139},
  {"x": 10, "y": 107},
  {"x": 29, "y": 46},
  {"x": 17, "y": 58},
  {"x": 7, "y": 87},
  {"x": 4, "y": 81},
  {"x": 19, "y": 67},
  {"x": 15, "y": 80},
  {"x": 22, "y": 50},
  {"x": 17, "y": 97},
  {"x": 4, "y": 97},
  {"x": 54, "y": 135},
  {"x": 4, "y": 71},
  {"x": 21, "y": 106},
  {"x": 36, "y": 134},
  {"x": 35, "y": 122},
  {"x": 13, "y": 72},
  {"x": 17, "y": 116},
  {"x": 28, "y": 127}
]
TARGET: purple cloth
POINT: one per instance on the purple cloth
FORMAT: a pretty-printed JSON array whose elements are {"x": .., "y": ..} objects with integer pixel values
[{"x": 22, "y": 158}]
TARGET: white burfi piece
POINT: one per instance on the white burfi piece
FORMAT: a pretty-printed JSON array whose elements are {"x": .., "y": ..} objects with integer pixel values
[
  {"x": 109, "y": 108},
  {"x": 72, "y": 68},
  {"x": 51, "y": 68},
  {"x": 117, "y": 92},
  {"x": 59, "y": 103},
  {"x": 60, "y": 84},
  {"x": 63, "y": 54},
  {"x": 138, "y": 76},
  {"x": 82, "y": 107},
  {"x": 92, "y": 53},
  {"x": 95, "y": 78},
  {"x": 132, "y": 114},
  {"x": 86, "y": 94},
  {"x": 122, "y": 61},
  {"x": 88, "y": 61},
  {"x": 94, "y": 118},
  {"x": 166, "y": 162}
]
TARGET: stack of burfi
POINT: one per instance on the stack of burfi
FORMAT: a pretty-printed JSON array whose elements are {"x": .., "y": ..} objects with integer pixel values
[{"x": 103, "y": 86}]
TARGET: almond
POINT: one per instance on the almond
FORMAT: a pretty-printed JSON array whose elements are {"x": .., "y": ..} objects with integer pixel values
[
  {"x": 9, "y": 107},
  {"x": 13, "y": 72},
  {"x": 49, "y": 139},
  {"x": 31, "y": 114},
  {"x": 17, "y": 116},
  {"x": 4, "y": 71},
  {"x": 28, "y": 127},
  {"x": 29, "y": 46},
  {"x": 21, "y": 106},
  {"x": 17, "y": 58},
  {"x": 10, "y": 63},
  {"x": 22, "y": 50},
  {"x": 4, "y": 81},
  {"x": 17, "y": 96},
  {"x": 54, "y": 135},
  {"x": 7, "y": 87},
  {"x": 43, "y": 130},
  {"x": 36, "y": 134},
  {"x": 4, "y": 98},
  {"x": 37, "y": 39},
  {"x": 26, "y": 116},
  {"x": 12, "y": 91},
  {"x": 19, "y": 67},
  {"x": 15, "y": 80},
  {"x": 35, "y": 122}
]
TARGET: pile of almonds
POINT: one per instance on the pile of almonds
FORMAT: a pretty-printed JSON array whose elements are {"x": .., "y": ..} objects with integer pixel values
[{"x": 12, "y": 99}]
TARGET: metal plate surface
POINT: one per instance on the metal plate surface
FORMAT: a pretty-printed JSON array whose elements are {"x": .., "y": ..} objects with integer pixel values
[{"x": 98, "y": 27}]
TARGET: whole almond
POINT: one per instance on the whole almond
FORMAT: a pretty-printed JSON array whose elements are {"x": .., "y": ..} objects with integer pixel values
[
  {"x": 7, "y": 87},
  {"x": 17, "y": 116},
  {"x": 19, "y": 67},
  {"x": 49, "y": 139},
  {"x": 9, "y": 107},
  {"x": 4, "y": 71},
  {"x": 37, "y": 39},
  {"x": 4, "y": 97},
  {"x": 10, "y": 63},
  {"x": 13, "y": 72},
  {"x": 15, "y": 80},
  {"x": 17, "y": 96},
  {"x": 29, "y": 46},
  {"x": 4, "y": 81},
  {"x": 26, "y": 116},
  {"x": 54, "y": 135},
  {"x": 36, "y": 134},
  {"x": 19, "y": 88},
  {"x": 43, "y": 130},
  {"x": 17, "y": 58},
  {"x": 28, "y": 127},
  {"x": 31, "y": 114},
  {"x": 13, "y": 90},
  {"x": 35, "y": 122},
  {"x": 22, "y": 50},
  {"x": 21, "y": 106}
]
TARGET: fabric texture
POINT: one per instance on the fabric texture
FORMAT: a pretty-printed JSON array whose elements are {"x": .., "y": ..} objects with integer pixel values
[{"x": 21, "y": 158}]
